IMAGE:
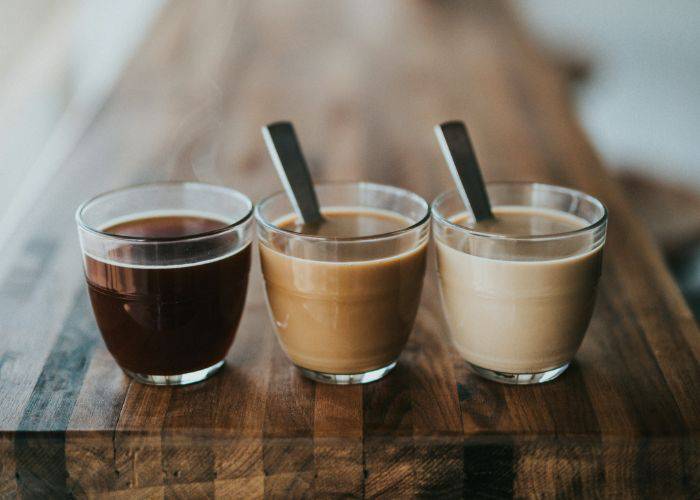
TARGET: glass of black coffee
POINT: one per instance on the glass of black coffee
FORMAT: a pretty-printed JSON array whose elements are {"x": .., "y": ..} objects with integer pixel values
[{"x": 167, "y": 268}]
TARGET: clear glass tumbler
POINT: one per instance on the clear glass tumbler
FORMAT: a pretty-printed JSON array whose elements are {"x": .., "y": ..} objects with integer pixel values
[
  {"x": 343, "y": 308},
  {"x": 518, "y": 307},
  {"x": 167, "y": 294}
]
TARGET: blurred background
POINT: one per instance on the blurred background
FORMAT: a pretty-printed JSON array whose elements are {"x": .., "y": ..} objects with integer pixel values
[
  {"x": 635, "y": 73},
  {"x": 634, "y": 68}
]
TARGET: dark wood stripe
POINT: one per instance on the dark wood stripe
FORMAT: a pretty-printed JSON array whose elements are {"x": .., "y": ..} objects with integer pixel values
[
  {"x": 41, "y": 463},
  {"x": 690, "y": 460},
  {"x": 489, "y": 468},
  {"x": 51, "y": 402}
]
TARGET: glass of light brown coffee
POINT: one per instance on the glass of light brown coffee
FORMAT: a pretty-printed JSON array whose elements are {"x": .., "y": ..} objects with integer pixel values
[
  {"x": 343, "y": 295},
  {"x": 518, "y": 290}
]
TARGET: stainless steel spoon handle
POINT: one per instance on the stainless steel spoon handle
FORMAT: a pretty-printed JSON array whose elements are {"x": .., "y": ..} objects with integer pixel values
[
  {"x": 292, "y": 169},
  {"x": 461, "y": 158}
]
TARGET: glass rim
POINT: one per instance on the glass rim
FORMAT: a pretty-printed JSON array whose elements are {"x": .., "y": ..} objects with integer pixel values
[
  {"x": 373, "y": 237},
  {"x": 139, "y": 239},
  {"x": 589, "y": 227}
]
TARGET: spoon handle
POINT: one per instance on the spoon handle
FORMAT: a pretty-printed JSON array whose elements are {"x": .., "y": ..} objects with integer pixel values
[
  {"x": 461, "y": 158},
  {"x": 292, "y": 169}
]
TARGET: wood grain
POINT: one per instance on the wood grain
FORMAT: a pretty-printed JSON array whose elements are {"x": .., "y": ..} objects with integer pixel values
[{"x": 364, "y": 82}]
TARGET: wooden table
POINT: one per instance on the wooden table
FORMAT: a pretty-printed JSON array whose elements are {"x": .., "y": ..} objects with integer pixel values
[{"x": 364, "y": 82}]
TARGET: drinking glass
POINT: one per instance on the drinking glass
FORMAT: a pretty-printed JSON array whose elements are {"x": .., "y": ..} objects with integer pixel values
[
  {"x": 343, "y": 308},
  {"x": 167, "y": 307},
  {"x": 518, "y": 307}
]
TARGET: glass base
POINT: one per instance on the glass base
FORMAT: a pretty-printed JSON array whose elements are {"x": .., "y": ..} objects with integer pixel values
[
  {"x": 347, "y": 378},
  {"x": 183, "y": 379},
  {"x": 520, "y": 378}
]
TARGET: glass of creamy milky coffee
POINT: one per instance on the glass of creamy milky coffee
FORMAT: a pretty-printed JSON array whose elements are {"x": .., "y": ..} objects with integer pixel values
[
  {"x": 518, "y": 290},
  {"x": 343, "y": 295}
]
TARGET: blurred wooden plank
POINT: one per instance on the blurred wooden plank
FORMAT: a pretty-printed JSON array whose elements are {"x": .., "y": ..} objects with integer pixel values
[{"x": 671, "y": 212}]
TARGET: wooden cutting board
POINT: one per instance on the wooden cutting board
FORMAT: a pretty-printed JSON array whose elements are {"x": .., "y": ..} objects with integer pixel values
[{"x": 364, "y": 82}]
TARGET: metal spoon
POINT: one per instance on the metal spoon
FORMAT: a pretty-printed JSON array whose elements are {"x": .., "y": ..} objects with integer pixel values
[
  {"x": 459, "y": 154},
  {"x": 285, "y": 151}
]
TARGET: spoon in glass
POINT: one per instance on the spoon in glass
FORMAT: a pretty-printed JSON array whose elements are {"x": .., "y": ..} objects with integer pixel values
[
  {"x": 293, "y": 171},
  {"x": 459, "y": 154}
]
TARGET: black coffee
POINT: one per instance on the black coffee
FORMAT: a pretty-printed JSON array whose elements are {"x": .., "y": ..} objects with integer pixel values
[{"x": 169, "y": 320}]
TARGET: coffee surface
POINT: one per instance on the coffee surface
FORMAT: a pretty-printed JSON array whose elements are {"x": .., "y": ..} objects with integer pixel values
[
  {"x": 521, "y": 222},
  {"x": 168, "y": 320},
  {"x": 524, "y": 221},
  {"x": 165, "y": 226},
  {"x": 348, "y": 224}
]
